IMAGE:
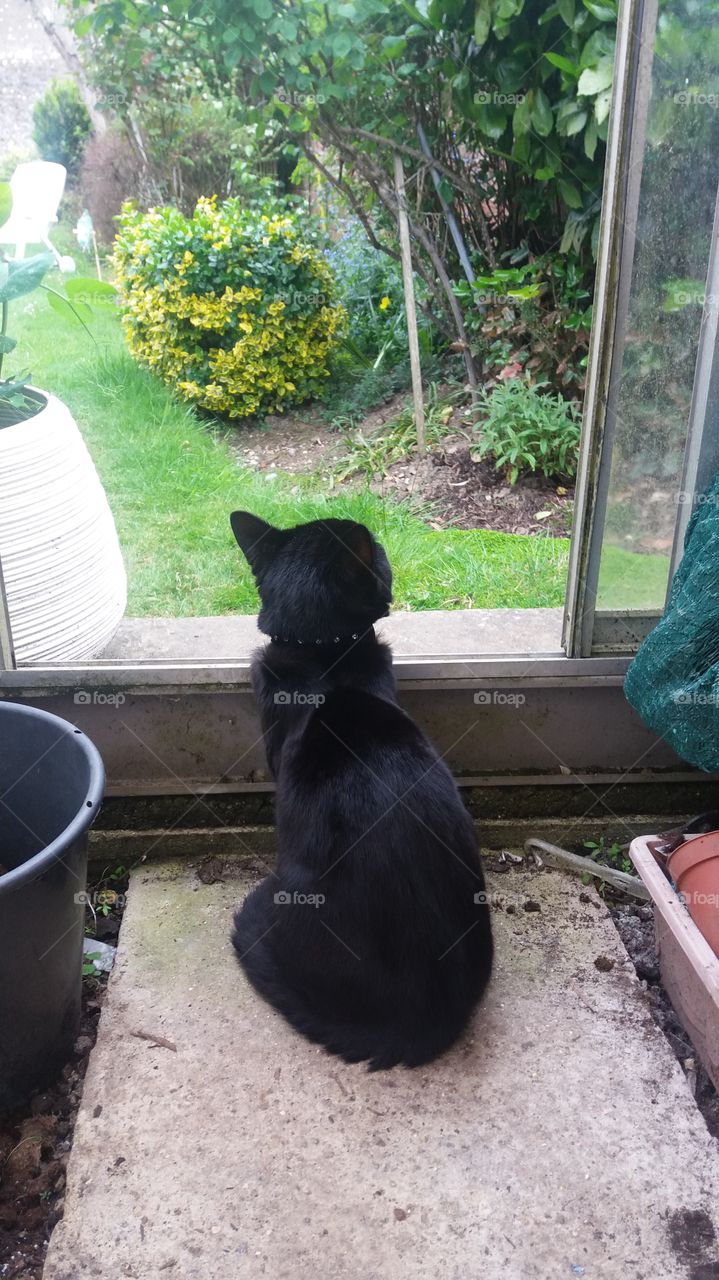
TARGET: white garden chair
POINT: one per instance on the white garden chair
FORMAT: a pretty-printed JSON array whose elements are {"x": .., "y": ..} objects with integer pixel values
[{"x": 37, "y": 188}]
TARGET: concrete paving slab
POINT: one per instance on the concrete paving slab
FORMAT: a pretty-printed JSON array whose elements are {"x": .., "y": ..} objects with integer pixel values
[
  {"x": 558, "y": 1139},
  {"x": 455, "y": 632}
]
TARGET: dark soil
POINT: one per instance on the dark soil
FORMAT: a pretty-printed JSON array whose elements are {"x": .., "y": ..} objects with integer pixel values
[
  {"x": 35, "y": 1141},
  {"x": 298, "y": 444},
  {"x": 302, "y": 442},
  {"x": 449, "y": 490},
  {"x": 473, "y": 495}
]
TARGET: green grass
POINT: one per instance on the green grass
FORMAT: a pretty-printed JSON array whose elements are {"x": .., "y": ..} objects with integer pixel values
[
  {"x": 172, "y": 480},
  {"x": 632, "y": 580}
]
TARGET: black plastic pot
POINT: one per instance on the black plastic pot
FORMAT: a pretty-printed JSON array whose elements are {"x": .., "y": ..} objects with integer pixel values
[{"x": 51, "y": 785}]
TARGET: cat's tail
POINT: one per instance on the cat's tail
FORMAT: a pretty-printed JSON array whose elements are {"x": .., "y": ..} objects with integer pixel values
[{"x": 385, "y": 1047}]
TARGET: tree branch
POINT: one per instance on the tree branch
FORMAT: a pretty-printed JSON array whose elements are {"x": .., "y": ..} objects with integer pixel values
[
  {"x": 459, "y": 181},
  {"x": 352, "y": 200},
  {"x": 377, "y": 179},
  {"x": 61, "y": 40}
]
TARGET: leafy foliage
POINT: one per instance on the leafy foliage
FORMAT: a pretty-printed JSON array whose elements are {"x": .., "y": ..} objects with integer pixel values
[
  {"x": 18, "y": 278},
  {"x": 536, "y": 85},
  {"x": 532, "y": 321},
  {"x": 525, "y": 427},
  {"x": 231, "y": 307},
  {"x": 371, "y": 290},
  {"x": 371, "y": 366},
  {"x": 354, "y": 391},
  {"x": 191, "y": 148},
  {"x": 522, "y": 85},
  {"x": 61, "y": 125},
  {"x": 372, "y": 454}
]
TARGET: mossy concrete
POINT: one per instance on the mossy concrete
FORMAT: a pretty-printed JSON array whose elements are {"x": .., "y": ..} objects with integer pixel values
[{"x": 559, "y": 1138}]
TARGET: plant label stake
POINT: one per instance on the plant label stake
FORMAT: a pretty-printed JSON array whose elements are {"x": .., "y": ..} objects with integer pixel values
[{"x": 409, "y": 302}]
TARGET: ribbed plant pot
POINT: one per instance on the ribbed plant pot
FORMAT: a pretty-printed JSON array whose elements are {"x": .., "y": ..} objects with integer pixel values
[{"x": 64, "y": 576}]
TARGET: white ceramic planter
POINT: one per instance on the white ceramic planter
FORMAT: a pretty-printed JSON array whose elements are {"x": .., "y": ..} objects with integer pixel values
[{"x": 64, "y": 576}]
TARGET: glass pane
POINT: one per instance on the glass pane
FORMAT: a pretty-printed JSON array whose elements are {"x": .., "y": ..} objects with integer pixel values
[{"x": 673, "y": 237}]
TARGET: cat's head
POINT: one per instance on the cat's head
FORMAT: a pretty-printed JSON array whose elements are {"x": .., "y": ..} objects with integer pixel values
[{"x": 317, "y": 581}]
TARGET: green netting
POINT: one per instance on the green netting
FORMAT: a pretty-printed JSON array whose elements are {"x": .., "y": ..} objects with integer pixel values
[{"x": 674, "y": 680}]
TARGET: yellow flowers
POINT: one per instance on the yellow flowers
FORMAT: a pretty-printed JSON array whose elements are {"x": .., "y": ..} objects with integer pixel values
[
  {"x": 384, "y": 303},
  {"x": 252, "y": 328}
]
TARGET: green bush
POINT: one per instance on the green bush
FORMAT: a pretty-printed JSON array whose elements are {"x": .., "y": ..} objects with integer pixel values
[
  {"x": 233, "y": 308},
  {"x": 526, "y": 427},
  {"x": 531, "y": 320},
  {"x": 61, "y": 125}
]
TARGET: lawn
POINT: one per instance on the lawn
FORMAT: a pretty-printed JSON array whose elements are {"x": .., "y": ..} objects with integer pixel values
[{"x": 172, "y": 480}]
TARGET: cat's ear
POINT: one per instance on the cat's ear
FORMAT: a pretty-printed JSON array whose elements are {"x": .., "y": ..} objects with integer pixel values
[
  {"x": 360, "y": 545},
  {"x": 258, "y": 541}
]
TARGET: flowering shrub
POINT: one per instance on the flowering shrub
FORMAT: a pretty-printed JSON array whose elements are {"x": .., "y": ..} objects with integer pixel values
[{"x": 231, "y": 307}]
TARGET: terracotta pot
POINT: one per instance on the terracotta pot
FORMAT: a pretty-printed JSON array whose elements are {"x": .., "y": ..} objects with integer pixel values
[{"x": 694, "y": 868}]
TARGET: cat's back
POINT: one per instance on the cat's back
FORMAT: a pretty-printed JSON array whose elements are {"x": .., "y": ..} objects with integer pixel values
[{"x": 354, "y": 728}]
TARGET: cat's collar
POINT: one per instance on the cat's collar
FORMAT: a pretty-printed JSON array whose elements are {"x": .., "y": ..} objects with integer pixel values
[{"x": 309, "y": 643}]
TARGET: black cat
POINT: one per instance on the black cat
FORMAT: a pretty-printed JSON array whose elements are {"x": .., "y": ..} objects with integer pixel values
[{"x": 373, "y": 938}]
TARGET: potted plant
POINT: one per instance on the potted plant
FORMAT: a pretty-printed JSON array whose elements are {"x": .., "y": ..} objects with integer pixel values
[{"x": 61, "y": 562}]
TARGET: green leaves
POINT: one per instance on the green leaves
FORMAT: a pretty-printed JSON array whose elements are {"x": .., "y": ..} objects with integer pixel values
[
  {"x": 590, "y": 139},
  {"x": 526, "y": 87},
  {"x": 78, "y": 312},
  {"x": 340, "y": 44},
  {"x": 525, "y": 428},
  {"x": 571, "y": 118},
  {"x": 393, "y": 46},
  {"x": 88, "y": 289},
  {"x": 602, "y": 105},
  {"x": 491, "y": 120},
  {"x": 604, "y": 10},
  {"x": 19, "y": 278},
  {"x": 522, "y": 119},
  {"x": 594, "y": 79},
  {"x": 541, "y": 113},
  {"x": 569, "y": 193},
  {"x": 558, "y": 60},
  {"x": 482, "y": 22}
]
